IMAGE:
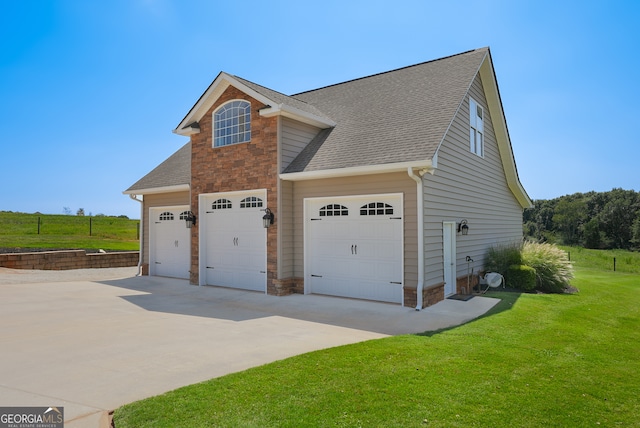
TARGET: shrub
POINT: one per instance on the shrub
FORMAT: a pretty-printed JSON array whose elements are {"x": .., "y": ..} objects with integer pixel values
[
  {"x": 521, "y": 277},
  {"x": 498, "y": 259},
  {"x": 552, "y": 267}
]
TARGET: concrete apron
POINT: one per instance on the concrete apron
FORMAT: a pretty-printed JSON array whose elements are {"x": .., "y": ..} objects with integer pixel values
[{"x": 94, "y": 345}]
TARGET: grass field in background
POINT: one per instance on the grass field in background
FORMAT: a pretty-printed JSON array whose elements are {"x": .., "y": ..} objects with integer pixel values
[
  {"x": 534, "y": 360},
  {"x": 625, "y": 261},
  {"x": 25, "y": 231}
]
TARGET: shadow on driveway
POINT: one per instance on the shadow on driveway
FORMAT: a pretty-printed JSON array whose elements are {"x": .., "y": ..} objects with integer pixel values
[{"x": 179, "y": 297}]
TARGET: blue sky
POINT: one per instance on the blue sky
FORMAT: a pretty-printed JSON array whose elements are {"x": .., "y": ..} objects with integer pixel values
[{"x": 91, "y": 90}]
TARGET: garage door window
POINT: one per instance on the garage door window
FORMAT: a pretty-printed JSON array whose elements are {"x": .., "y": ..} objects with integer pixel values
[
  {"x": 376, "y": 208},
  {"x": 333, "y": 210},
  {"x": 221, "y": 204},
  {"x": 166, "y": 216},
  {"x": 251, "y": 202}
]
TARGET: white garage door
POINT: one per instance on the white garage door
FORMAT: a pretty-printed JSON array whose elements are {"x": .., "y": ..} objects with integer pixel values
[
  {"x": 170, "y": 242},
  {"x": 235, "y": 250},
  {"x": 354, "y": 247}
]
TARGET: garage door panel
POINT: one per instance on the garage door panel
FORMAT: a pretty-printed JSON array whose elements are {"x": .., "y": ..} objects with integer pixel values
[
  {"x": 170, "y": 243},
  {"x": 355, "y": 255},
  {"x": 236, "y": 241}
]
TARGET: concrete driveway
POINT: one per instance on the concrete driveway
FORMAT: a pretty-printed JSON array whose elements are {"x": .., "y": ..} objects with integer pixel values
[{"x": 93, "y": 340}]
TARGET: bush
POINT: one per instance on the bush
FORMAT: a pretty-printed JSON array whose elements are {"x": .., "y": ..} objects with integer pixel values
[
  {"x": 498, "y": 259},
  {"x": 552, "y": 267},
  {"x": 521, "y": 277}
]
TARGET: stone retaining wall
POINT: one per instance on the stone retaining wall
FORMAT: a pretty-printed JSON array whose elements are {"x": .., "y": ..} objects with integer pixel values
[{"x": 65, "y": 260}]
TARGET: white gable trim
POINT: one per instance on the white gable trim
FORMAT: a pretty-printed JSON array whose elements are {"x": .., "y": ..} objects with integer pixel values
[
  {"x": 492, "y": 94},
  {"x": 490, "y": 84},
  {"x": 217, "y": 88}
]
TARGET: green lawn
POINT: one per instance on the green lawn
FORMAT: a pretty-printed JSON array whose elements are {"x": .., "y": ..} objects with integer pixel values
[
  {"x": 534, "y": 360},
  {"x": 20, "y": 230}
]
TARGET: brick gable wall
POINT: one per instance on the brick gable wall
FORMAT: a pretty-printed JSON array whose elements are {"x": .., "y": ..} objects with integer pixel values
[{"x": 245, "y": 166}]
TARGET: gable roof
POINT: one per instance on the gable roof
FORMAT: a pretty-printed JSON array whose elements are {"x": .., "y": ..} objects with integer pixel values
[
  {"x": 386, "y": 122},
  {"x": 274, "y": 102},
  {"x": 393, "y": 117},
  {"x": 172, "y": 175}
]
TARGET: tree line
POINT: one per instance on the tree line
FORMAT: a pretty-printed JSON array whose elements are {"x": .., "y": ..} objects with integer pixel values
[{"x": 600, "y": 220}]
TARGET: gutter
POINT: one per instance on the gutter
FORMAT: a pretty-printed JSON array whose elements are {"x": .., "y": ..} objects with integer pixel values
[
  {"x": 140, "y": 257},
  {"x": 420, "y": 222}
]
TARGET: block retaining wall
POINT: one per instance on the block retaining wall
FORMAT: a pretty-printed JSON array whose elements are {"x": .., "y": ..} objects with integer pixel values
[{"x": 65, "y": 260}]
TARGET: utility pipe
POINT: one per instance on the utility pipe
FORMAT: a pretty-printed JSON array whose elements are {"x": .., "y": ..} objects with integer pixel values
[
  {"x": 140, "y": 256},
  {"x": 420, "y": 221}
]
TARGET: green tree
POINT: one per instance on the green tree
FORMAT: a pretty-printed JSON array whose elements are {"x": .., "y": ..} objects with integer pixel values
[
  {"x": 617, "y": 217},
  {"x": 569, "y": 216}
]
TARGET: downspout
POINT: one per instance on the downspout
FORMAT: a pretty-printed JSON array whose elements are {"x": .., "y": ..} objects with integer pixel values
[
  {"x": 140, "y": 257},
  {"x": 420, "y": 221}
]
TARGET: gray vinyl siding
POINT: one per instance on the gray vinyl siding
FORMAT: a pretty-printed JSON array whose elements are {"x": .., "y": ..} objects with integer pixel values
[
  {"x": 286, "y": 231},
  {"x": 295, "y": 136},
  {"x": 359, "y": 185},
  {"x": 466, "y": 186},
  {"x": 159, "y": 200}
]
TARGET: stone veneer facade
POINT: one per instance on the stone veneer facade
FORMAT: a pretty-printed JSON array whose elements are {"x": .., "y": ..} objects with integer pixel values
[{"x": 244, "y": 166}]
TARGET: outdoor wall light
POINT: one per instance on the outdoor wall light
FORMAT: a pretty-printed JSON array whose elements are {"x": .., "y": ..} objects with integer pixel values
[
  {"x": 463, "y": 228},
  {"x": 267, "y": 218},
  {"x": 190, "y": 219}
]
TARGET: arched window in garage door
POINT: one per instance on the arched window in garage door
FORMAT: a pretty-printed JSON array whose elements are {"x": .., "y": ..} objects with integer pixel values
[
  {"x": 251, "y": 202},
  {"x": 376, "y": 208},
  {"x": 221, "y": 204},
  {"x": 333, "y": 210},
  {"x": 167, "y": 215}
]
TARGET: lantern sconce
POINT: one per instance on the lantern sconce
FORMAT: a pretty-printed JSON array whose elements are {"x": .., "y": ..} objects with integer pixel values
[
  {"x": 267, "y": 218},
  {"x": 463, "y": 227},
  {"x": 190, "y": 219}
]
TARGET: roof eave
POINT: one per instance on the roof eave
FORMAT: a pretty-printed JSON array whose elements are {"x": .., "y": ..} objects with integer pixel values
[
  {"x": 426, "y": 165},
  {"x": 297, "y": 114},
  {"x": 213, "y": 92},
  {"x": 156, "y": 190},
  {"x": 487, "y": 74}
]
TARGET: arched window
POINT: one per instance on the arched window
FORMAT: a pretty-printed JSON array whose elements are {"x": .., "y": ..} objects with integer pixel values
[
  {"x": 221, "y": 204},
  {"x": 167, "y": 215},
  {"x": 232, "y": 123},
  {"x": 376, "y": 208},
  {"x": 184, "y": 215},
  {"x": 251, "y": 202},
  {"x": 333, "y": 210}
]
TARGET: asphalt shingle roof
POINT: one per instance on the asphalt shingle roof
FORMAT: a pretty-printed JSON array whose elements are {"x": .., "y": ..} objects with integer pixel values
[
  {"x": 392, "y": 117},
  {"x": 397, "y": 116},
  {"x": 282, "y": 98},
  {"x": 174, "y": 171}
]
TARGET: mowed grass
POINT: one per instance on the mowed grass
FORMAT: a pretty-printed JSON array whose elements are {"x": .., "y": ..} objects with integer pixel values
[
  {"x": 625, "y": 261},
  {"x": 534, "y": 360},
  {"x": 20, "y": 230}
]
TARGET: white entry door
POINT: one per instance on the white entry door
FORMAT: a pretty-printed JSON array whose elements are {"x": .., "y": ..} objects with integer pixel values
[
  {"x": 235, "y": 240},
  {"x": 170, "y": 243},
  {"x": 354, "y": 247},
  {"x": 449, "y": 257}
]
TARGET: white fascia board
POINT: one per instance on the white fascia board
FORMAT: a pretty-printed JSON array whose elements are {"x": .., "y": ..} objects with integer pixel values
[
  {"x": 297, "y": 114},
  {"x": 487, "y": 74},
  {"x": 426, "y": 166},
  {"x": 211, "y": 95},
  {"x": 156, "y": 190}
]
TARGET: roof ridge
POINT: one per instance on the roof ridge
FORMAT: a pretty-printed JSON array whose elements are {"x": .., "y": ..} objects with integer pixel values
[{"x": 388, "y": 71}]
